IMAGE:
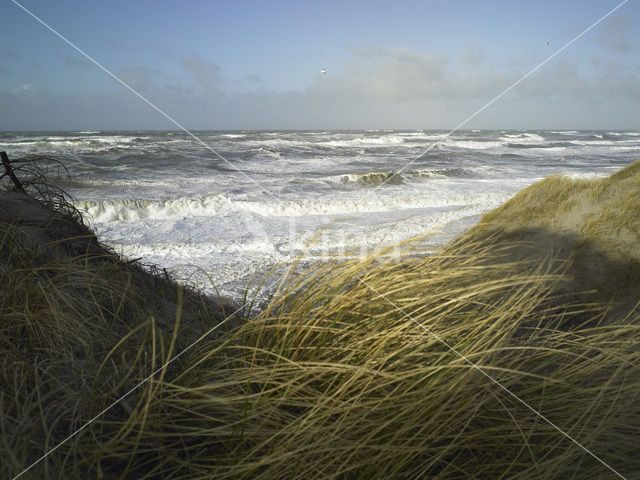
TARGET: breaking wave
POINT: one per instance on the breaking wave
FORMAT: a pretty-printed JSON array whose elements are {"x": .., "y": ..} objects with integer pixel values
[
  {"x": 216, "y": 205},
  {"x": 372, "y": 178},
  {"x": 391, "y": 177}
]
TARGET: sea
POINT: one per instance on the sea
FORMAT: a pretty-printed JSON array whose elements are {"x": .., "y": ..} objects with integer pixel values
[{"x": 222, "y": 209}]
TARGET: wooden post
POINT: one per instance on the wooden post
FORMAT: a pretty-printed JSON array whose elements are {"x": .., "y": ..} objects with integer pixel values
[{"x": 9, "y": 172}]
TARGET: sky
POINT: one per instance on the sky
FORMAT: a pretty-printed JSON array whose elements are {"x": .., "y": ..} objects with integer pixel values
[{"x": 217, "y": 65}]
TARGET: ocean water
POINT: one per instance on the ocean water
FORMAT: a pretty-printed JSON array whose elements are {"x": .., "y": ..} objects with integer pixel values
[{"x": 220, "y": 223}]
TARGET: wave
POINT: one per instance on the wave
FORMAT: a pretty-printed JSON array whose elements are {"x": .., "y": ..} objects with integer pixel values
[
  {"x": 181, "y": 250},
  {"x": 219, "y": 204},
  {"x": 397, "y": 177},
  {"x": 372, "y": 178},
  {"x": 234, "y": 135},
  {"x": 472, "y": 144},
  {"x": 85, "y": 142},
  {"x": 607, "y": 143},
  {"x": 129, "y": 209},
  {"x": 265, "y": 152},
  {"x": 446, "y": 172},
  {"x": 365, "y": 141},
  {"x": 522, "y": 138},
  {"x": 548, "y": 147}
]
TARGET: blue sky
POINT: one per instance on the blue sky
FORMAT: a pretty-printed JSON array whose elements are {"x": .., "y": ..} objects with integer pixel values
[{"x": 256, "y": 65}]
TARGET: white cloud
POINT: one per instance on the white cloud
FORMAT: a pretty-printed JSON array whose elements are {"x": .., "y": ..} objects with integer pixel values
[
  {"x": 398, "y": 74},
  {"x": 26, "y": 90},
  {"x": 378, "y": 88}
]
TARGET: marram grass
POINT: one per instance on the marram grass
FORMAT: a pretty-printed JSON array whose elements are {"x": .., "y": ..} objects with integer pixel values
[
  {"x": 344, "y": 385},
  {"x": 344, "y": 374}
]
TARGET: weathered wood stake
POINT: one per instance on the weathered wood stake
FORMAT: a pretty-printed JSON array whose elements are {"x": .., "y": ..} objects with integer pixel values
[{"x": 9, "y": 171}]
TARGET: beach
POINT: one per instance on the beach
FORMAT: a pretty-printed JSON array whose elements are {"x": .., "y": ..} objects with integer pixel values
[
  {"x": 272, "y": 197},
  {"x": 319, "y": 241},
  {"x": 510, "y": 350}
]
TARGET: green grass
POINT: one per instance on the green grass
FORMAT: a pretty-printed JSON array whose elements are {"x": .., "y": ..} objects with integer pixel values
[{"x": 344, "y": 374}]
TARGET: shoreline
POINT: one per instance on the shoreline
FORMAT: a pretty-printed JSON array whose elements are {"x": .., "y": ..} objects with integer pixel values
[{"x": 162, "y": 198}]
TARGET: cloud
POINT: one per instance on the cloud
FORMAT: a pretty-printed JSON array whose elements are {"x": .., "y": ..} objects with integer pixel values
[
  {"x": 3, "y": 69},
  {"x": 616, "y": 66},
  {"x": 376, "y": 88},
  {"x": 565, "y": 82},
  {"x": 398, "y": 74},
  {"x": 391, "y": 76},
  {"x": 473, "y": 55},
  {"x": 139, "y": 77},
  {"x": 206, "y": 74},
  {"x": 386, "y": 76},
  {"x": 614, "y": 34},
  {"x": 26, "y": 90},
  {"x": 390, "y": 88},
  {"x": 42, "y": 109},
  {"x": 556, "y": 79}
]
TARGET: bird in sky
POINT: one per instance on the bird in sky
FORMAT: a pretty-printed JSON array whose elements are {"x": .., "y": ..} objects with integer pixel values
[{"x": 323, "y": 71}]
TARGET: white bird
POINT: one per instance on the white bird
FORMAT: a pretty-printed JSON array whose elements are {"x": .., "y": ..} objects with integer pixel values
[{"x": 323, "y": 71}]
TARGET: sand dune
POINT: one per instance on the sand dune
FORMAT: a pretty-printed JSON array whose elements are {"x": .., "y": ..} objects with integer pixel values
[{"x": 367, "y": 368}]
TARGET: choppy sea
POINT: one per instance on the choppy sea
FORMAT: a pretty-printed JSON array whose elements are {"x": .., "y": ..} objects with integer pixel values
[{"x": 221, "y": 216}]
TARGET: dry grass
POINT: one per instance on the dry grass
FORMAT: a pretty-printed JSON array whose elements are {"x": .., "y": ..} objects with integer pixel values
[
  {"x": 344, "y": 374},
  {"x": 604, "y": 211}
]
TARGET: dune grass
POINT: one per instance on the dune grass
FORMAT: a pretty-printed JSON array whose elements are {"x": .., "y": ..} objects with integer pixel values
[
  {"x": 357, "y": 369},
  {"x": 603, "y": 211}
]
